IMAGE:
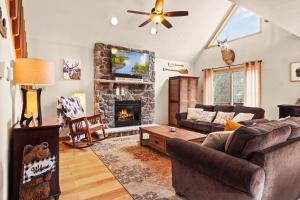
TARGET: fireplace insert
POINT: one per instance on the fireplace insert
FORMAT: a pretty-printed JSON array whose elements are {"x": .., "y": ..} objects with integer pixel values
[{"x": 127, "y": 113}]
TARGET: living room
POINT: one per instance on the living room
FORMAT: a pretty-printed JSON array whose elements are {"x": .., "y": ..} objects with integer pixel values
[{"x": 149, "y": 99}]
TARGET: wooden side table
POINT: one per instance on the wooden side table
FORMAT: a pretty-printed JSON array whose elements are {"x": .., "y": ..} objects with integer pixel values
[{"x": 35, "y": 161}]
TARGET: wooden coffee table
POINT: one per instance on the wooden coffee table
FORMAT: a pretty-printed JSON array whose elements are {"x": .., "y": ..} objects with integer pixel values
[{"x": 159, "y": 135}]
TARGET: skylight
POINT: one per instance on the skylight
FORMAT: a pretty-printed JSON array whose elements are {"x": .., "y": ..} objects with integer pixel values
[{"x": 240, "y": 23}]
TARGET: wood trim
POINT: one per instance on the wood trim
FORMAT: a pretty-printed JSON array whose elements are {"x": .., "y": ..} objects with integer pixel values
[
  {"x": 233, "y": 69},
  {"x": 13, "y": 9},
  {"x": 17, "y": 23},
  {"x": 220, "y": 27},
  {"x": 223, "y": 23}
]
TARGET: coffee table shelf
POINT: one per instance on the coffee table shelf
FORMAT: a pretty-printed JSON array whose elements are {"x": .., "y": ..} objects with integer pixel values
[{"x": 159, "y": 135}]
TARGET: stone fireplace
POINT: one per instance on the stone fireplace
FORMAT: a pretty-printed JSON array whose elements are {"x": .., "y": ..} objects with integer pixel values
[
  {"x": 127, "y": 113},
  {"x": 107, "y": 100}
]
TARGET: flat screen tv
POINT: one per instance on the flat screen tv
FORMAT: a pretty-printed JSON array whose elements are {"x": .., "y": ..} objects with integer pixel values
[{"x": 129, "y": 63}]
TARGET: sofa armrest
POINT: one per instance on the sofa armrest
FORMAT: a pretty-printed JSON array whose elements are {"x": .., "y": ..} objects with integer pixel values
[
  {"x": 232, "y": 171},
  {"x": 181, "y": 116}
]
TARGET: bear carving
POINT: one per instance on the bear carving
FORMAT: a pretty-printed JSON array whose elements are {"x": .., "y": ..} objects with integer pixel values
[{"x": 39, "y": 187}]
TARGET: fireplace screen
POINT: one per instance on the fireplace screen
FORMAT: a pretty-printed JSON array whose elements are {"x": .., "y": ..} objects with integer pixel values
[{"x": 127, "y": 113}]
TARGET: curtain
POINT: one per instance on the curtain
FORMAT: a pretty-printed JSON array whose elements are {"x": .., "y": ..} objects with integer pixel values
[
  {"x": 253, "y": 84},
  {"x": 208, "y": 90}
]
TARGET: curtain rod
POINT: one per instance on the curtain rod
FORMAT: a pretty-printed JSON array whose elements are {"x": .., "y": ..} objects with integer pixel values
[{"x": 229, "y": 66}]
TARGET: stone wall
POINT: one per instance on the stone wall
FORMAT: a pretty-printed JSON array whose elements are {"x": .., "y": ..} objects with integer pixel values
[{"x": 105, "y": 93}]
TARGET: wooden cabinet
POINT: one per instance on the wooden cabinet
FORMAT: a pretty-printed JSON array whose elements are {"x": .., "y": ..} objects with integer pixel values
[
  {"x": 35, "y": 161},
  {"x": 183, "y": 94},
  {"x": 289, "y": 110}
]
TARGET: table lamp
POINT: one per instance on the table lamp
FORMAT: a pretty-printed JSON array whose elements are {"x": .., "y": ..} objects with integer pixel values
[{"x": 33, "y": 73}]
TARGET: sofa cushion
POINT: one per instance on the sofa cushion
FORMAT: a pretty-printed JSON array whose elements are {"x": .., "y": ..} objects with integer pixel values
[
  {"x": 217, "y": 140},
  {"x": 202, "y": 126},
  {"x": 247, "y": 140},
  {"x": 223, "y": 117},
  {"x": 259, "y": 113},
  {"x": 224, "y": 108},
  {"x": 186, "y": 123},
  {"x": 205, "y": 107},
  {"x": 206, "y": 116},
  {"x": 243, "y": 117},
  {"x": 217, "y": 127},
  {"x": 194, "y": 113}
]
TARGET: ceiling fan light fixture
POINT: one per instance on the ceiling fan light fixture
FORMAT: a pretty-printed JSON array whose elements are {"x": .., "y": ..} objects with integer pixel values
[
  {"x": 153, "y": 31},
  {"x": 157, "y": 19},
  {"x": 114, "y": 21}
]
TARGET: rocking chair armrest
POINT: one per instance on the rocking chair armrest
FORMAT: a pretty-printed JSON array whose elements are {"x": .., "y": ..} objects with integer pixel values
[
  {"x": 93, "y": 119},
  {"x": 78, "y": 125}
]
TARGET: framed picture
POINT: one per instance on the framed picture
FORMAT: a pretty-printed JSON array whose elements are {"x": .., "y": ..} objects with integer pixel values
[
  {"x": 295, "y": 71},
  {"x": 71, "y": 69}
]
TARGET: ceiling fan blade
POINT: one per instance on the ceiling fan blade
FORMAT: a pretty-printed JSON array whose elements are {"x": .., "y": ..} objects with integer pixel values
[
  {"x": 146, "y": 22},
  {"x": 166, "y": 23},
  {"x": 138, "y": 12},
  {"x": 176, "y": 13},
  {"x": 159, "y": 5}
]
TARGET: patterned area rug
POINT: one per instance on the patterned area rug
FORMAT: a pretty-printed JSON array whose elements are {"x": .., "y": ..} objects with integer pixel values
[{"x": 145, "y": 173}]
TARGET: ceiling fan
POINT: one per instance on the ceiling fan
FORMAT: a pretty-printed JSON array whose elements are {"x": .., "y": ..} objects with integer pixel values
[{"x": 157, "y": 15}]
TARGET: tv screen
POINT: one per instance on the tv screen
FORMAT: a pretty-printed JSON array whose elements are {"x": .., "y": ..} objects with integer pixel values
[{"x": 129, "y": 63}]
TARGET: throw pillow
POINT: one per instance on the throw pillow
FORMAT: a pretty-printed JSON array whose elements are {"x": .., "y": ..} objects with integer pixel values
[
  {"x": 206, "y": 116},
  {"x": 243, "y": 117},
  {"x": 232, "y": 126},
  {"x": 223, "y": 117},
  {"x": 194, "y": 113},
  {"x": 217, "y": 140}
]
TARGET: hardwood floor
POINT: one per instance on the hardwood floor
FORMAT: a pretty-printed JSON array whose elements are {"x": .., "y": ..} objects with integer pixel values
[{"x": 84, "y": 176}]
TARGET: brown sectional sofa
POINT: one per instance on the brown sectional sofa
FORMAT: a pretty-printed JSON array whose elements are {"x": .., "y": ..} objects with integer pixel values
[
  {"x": 206, "y": 127},
  {"x": 262, "y": 162}
]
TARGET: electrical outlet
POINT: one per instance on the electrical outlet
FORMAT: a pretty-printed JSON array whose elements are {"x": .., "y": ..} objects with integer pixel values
[
  {"x": 2, "y": 69},
  {"x": 10, "y": 73}
]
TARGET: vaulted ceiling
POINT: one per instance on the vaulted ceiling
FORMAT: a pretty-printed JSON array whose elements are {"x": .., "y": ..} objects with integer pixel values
[
  {"x": 84, "y": 22},
  {"x": 283, "y": 13}
]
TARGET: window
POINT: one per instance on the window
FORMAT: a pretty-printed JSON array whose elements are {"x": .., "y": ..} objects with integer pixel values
[
  {"x": 229, "y": 87},
  {"x": 238, "y": 23}
]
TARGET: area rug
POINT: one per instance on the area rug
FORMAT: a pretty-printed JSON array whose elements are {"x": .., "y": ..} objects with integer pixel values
[{"x": 144, "y": 173}]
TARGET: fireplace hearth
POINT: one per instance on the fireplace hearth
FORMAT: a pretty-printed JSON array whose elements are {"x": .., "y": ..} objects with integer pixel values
[{"x": 127, "y": 113}]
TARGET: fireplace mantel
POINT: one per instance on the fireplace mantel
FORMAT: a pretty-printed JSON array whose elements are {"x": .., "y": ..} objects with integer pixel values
[{"x": 123, "y": 82}]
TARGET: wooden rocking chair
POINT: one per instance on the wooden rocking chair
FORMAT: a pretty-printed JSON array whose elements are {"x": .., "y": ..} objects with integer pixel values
[
  {"x": 87, "y": 126},
  {"x": 84, "y": 131}
]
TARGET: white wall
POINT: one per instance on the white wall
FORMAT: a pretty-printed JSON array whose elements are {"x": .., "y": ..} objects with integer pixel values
[
  {"x": 55, "y": 52},
  {"x": 10, "y": 107},
  {"x": 277, "y": 49},
  {"x": 162, "y": 88}
]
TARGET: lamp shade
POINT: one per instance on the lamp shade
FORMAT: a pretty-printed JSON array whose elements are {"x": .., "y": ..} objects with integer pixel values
[{"x": 33, "y": 72}]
